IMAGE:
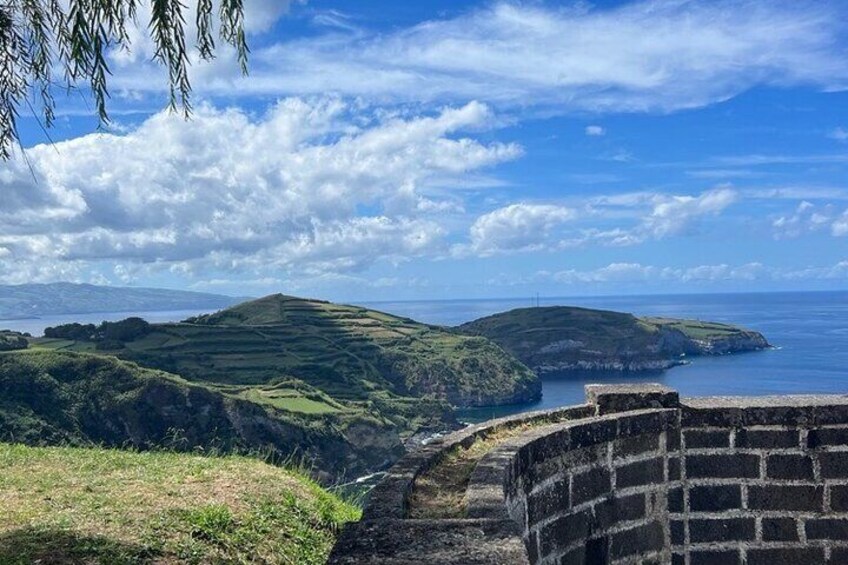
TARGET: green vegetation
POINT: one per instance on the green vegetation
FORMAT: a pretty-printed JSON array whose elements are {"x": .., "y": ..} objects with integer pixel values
[
  {"x": 12, "y": 341},
  {"x": 106, "y": 336},
  {"x": 66, "y": 398},
  {"x": 346, "y": 352},
  {"x": 561, "y": 338},
  {"x": 101, "y": 506},
  {"x": 339, "y": 385}
]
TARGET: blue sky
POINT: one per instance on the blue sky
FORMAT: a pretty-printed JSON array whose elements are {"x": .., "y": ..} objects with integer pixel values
[{"x": 435, "y": 149}]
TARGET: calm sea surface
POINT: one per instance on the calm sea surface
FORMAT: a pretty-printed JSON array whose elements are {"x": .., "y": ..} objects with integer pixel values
[{"x": 810, "y": 331}]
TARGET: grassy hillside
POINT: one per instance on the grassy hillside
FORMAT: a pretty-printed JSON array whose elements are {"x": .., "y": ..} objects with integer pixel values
[
  {"x": 344, "y": 386},
  {"x": 566, "y": 338},
  {"x": 50, "y": 397},
  {"x": 346, "y": 352},
  {"x": 100, "y": 506}
]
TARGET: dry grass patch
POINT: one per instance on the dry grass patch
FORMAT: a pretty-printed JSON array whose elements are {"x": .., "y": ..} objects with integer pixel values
[{"x": 439, "y": 493}]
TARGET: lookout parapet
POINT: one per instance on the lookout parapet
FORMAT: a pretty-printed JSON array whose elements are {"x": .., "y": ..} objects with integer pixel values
[{"x": 634, "y": 476}]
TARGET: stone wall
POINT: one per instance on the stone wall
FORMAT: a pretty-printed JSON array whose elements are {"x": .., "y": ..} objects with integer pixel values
[{"x": 633, "y": 476}]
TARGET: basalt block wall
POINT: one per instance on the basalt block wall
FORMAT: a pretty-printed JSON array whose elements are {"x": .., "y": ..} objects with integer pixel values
[{"x": 634, "y": 476}]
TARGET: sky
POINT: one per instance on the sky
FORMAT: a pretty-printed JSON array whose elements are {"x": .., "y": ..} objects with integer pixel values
[{"x": 384, "y": 150}]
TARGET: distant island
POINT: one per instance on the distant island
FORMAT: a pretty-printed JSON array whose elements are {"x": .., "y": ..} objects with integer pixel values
[
  {"x": 35, "y": 300},
  {"x": 563, "y": 338},
  {"x": 346, "y": 388}
]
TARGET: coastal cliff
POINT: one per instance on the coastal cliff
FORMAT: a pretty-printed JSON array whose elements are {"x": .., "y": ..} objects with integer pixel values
[{"x": 562, "y": 339}]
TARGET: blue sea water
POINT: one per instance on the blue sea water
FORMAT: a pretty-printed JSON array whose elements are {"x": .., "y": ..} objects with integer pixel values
[{"x": 809, "y": 331}]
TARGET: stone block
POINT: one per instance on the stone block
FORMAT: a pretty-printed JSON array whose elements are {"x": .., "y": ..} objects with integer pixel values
[
  {"x": 785, "y": 497},
  {"x": 786, "y": 556},
  {"x": 706, "y": 438},
  {"x": 640, "y": 473},
  {"x": 635, "y": 445},
  {"x": 721, "y": 529},
  {"x": 614, "y": 510},
  {"x": 674, "y": 468},
  {"x": 795, "y": 467},
  {"x": 827, "y": 436},
  {"x": 636, "y": 541},
  {"x": 735, "y": 465},
  {"x": 547, "y": 502},
  {"x": 780, "y": 529},
  {"x": 608, "y": 399},
  {"x": 675, "y": 499},
  {"x": 715, "y": 557},
  {"x": 678, "y": 534},
  {"x": 562, "y": 532},
  {"x": 715, "y": 498},
  {"x": 834, "y": 464},
  {"x": 826, "y": 528},
  {"x": 589, "y": 485},
  {"x": 767, "y": 439},
  {"x": 593, "y": 432},
  {"x": 839, "y": 498}
]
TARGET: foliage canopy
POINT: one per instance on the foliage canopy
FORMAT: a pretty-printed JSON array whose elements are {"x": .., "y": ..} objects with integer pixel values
[{"x": 47, "y": 44}]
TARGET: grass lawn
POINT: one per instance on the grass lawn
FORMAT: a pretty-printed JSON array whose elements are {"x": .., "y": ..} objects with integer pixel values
[{"x": 69, "y": 505}]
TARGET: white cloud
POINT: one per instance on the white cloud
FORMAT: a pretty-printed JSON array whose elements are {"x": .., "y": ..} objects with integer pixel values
[
  {"x": 517, "y": 227},
  {"x": 310, "y": 186},
  {"x": 708, "y": 274},
  {"x": 595, "y": 131},
  {"x": 809, "y": 218},
  {"x": 839, "y": 134},
  {"x": 673, "y": 214},
  {"x": 839, "y": 227},
  {"x": 614, "y": 272},
  {"x": 658, "y": 55},
  {"x": 639, "y": 217}
]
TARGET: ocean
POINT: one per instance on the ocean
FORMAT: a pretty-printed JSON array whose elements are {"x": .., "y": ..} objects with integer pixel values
[{"x": 808, "y": 329}]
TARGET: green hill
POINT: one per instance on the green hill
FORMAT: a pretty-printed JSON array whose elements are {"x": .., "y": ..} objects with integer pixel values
[
  {"x": 110, "y": 507},
  {"x": 347, "y": 352},
  {"x": 562, "y": 338},
  {"x": 66, "y": 398},
  {"x": 357, "y": 383}
]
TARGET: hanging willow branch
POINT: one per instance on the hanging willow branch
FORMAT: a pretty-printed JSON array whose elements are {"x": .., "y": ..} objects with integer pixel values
[{"x": 39, "y": 36}]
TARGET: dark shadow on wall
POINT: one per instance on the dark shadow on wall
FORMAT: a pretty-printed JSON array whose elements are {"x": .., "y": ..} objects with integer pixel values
[{"x": 65, "y": 547}]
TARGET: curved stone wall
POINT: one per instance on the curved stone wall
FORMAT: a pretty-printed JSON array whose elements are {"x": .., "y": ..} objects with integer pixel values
[{"x": 633, "y": 476}]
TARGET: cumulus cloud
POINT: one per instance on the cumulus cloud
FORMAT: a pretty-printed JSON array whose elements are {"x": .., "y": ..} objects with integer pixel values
[
  {"x": 658, "y": 55},
  {"x": 673, "y": 214},
  {"x": 595, "y": 131},
  {"x": 635, "y": 218},
  {"x": 517, "y": 227},
  {"x": 311, "y": 185}
]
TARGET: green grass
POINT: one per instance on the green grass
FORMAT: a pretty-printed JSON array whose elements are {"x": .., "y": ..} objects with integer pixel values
[
  {"x": 696, "y": 329},
  {"x": 72, "y": 505},
  {"x": 291, "y": 400},
  {"x": 567, "y": 336}
]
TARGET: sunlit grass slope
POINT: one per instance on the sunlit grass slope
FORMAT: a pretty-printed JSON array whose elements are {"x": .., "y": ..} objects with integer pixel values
[{"x": 83, "y": 505}]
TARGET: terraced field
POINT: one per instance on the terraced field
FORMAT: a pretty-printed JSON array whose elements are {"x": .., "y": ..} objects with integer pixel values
[{"x": 352, "y": 379}]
